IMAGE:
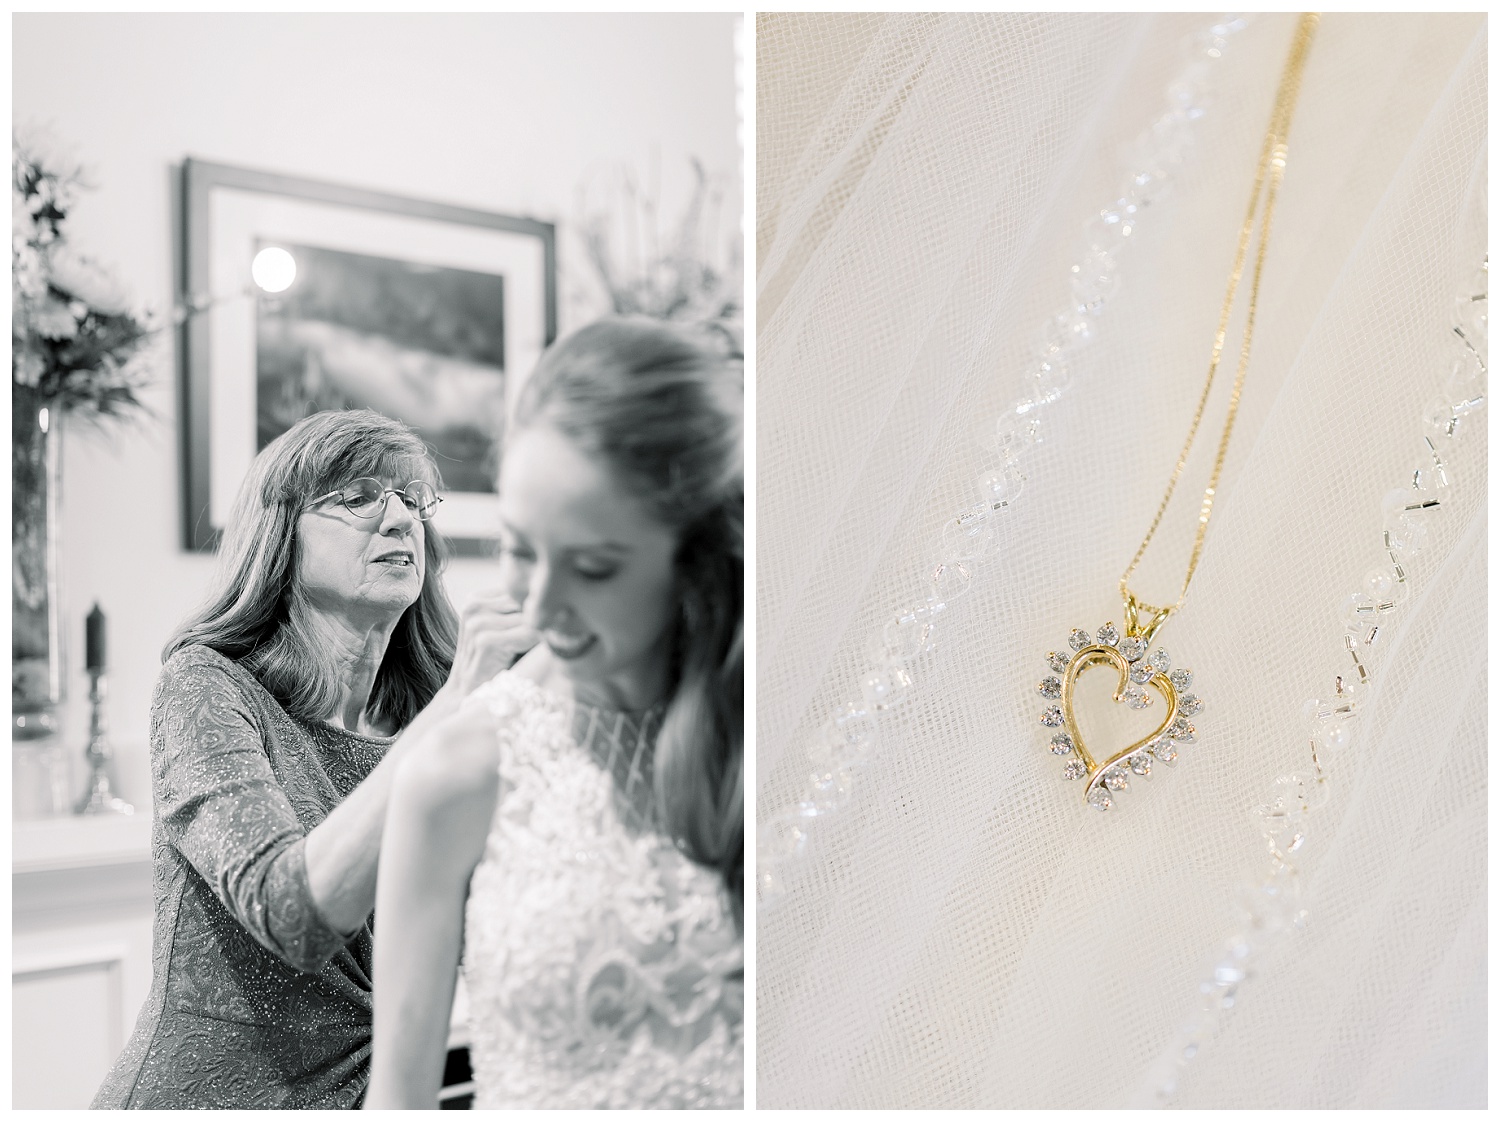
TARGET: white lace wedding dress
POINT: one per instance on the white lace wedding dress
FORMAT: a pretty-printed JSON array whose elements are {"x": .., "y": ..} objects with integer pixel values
[{"x": 603, "y": 967}]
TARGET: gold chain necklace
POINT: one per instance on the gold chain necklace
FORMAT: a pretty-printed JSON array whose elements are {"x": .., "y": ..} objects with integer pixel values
[{"x": 1141, "y": 670}]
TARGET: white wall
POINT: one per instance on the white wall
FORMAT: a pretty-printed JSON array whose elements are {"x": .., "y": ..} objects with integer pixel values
[{"x": 501, "y": 112}]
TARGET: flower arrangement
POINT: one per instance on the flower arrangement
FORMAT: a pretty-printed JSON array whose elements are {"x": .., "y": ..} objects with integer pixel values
[
  {"x": 76, "y": 344},
  {"x": 692, "y": 274},
  {"x": 77, "y": 348}
]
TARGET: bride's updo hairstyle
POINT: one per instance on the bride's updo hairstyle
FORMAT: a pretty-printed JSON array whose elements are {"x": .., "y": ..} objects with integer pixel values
[{"x": 664, "y": 411}]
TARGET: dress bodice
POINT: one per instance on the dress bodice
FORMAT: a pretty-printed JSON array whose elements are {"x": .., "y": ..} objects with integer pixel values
[{"x": 604, "y": 968}]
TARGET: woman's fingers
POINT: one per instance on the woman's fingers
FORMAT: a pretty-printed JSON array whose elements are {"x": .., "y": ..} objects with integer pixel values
[{"x": 492, "y": 635}]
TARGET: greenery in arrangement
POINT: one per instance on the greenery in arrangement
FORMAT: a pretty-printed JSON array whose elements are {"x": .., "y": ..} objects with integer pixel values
[
  {"x": 77, "y": 349},
  {"x": 692, "y": 274},
  {"x": 76, "y": 343}
]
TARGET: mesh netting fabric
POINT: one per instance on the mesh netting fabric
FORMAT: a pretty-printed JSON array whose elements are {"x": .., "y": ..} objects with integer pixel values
[{"x": 967, "y": 932}]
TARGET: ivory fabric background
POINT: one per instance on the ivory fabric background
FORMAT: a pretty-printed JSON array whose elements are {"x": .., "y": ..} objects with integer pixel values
[{"x": 968, "y": 932}]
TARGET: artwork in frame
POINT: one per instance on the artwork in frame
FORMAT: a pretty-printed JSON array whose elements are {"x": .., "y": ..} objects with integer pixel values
[{"x": 423, "y": 311}]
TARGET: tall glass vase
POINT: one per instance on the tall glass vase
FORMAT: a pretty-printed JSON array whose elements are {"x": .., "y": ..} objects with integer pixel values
[{"x": 36, "y": 638}]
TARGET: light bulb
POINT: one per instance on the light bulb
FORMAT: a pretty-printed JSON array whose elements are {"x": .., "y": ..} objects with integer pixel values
[{"x": 274, "y": 269}]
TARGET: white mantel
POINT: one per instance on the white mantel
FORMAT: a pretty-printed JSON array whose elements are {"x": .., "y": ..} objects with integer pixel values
[
  {"x": 81, "y": 912},
  {"x": 46, "y": 845}
]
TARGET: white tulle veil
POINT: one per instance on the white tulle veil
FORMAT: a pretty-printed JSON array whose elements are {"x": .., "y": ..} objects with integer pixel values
[{"x": 964, "y": 931}]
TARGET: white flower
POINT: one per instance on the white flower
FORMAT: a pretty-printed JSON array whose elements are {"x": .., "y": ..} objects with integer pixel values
[
  {"x": 22, "y": 225},
  {"x": 88, "y": 281},
  {"x": 51, "y": 319},
  {"x": 26, "y": 367},
  {"x": 41, "y": 149},
  {"x": 28, "y": 279}
]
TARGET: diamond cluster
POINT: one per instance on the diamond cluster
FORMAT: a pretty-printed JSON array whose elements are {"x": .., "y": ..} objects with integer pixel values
[{"x": 1145, "y": 664}]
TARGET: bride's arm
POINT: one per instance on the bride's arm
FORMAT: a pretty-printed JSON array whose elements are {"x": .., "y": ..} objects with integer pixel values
[{"x": 440, "y": 809}]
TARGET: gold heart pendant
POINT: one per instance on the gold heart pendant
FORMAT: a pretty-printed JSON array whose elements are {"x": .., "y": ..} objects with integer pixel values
[{"x": 1139, "y": 672}]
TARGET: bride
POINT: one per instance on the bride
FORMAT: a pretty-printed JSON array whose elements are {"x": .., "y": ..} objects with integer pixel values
[{"x": 575, "y": 834}]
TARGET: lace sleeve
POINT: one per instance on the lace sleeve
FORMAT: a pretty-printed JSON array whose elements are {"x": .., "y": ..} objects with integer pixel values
[{"x": 222, "y": 808}]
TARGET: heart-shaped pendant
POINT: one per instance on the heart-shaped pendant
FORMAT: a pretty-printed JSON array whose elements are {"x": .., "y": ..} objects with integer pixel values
[{"x": 1139, "y": 671}]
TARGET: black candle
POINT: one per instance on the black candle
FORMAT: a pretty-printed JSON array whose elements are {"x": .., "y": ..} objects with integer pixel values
[{"x": 94, "y": 641}]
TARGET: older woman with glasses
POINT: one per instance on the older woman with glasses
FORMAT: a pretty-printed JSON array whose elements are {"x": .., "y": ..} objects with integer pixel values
[{"x": 324, "y": 651}]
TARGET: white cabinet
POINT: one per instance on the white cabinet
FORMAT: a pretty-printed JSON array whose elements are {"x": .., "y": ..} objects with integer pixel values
[
  {"x": 80, "y": 952},
  {"x": 81, "y": 911}
]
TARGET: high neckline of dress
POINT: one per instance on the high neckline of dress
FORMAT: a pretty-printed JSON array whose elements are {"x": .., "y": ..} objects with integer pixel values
[{"x": 555, "y": 698}]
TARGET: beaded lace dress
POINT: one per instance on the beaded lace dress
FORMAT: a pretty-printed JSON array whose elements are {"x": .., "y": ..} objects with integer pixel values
[{"x": 603, "y": 967}]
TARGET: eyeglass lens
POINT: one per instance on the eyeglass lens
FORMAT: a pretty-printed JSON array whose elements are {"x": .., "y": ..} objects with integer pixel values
[{"x": 364, "y": 497}]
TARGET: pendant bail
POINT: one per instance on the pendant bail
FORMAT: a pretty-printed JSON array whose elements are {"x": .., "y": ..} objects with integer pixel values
[{"x": 1134, "y": 606}]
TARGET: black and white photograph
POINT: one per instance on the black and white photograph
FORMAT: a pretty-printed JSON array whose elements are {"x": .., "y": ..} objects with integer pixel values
[
  {"x": 378, "y": 567},
  {"x": 355, "y": 298},
  {"x": 425, "y": 344}
]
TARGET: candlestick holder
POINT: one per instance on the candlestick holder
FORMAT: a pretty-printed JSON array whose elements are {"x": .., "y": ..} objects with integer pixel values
[{"x": 100, "y": 799}]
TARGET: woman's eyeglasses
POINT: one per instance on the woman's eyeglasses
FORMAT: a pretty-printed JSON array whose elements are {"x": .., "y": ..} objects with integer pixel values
[{"x": 365, "y": 498}]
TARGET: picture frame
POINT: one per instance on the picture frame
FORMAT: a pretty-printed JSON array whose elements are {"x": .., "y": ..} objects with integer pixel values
[{"x": 390, "y": 291}]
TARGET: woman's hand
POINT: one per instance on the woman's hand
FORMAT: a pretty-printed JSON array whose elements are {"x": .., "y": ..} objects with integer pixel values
[{"x": 491, "y": 636}]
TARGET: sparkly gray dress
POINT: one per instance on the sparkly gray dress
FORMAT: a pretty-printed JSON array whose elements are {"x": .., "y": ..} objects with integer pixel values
[{"x": 255, "y": 1001}]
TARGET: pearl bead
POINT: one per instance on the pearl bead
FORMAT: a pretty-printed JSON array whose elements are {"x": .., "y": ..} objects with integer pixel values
[
  {"x": 1380, "y": 582},
  {"x": 886, "y": 688},
  {"x": 1334, "y": 736},
  {"x": 1001, "y": 486}
]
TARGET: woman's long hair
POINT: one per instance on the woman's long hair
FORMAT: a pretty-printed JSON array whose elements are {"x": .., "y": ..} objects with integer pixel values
[
  {"x": 665, "y": 412},
  {"x": 257, "y": 613}
]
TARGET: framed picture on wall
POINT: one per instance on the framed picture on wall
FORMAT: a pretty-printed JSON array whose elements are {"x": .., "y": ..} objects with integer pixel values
[{"x": 302, "y": 296}]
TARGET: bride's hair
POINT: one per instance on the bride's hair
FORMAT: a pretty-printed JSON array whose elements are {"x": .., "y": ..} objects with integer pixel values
[{"x": 664, "y": 411}]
